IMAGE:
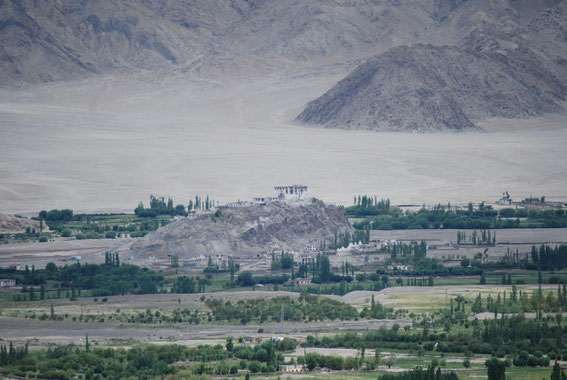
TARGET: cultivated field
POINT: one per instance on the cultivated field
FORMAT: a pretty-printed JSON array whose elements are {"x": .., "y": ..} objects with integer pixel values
[{"x": 443, "y": 241}]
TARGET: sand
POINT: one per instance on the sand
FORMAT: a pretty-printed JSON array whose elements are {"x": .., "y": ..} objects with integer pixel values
[{"x": 104, "y": 144}]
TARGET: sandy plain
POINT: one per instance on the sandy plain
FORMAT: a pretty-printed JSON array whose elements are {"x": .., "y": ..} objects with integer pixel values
[{"x": 104, "y": 144}]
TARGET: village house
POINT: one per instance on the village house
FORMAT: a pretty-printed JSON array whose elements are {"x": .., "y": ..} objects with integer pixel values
[
  {"x": 292, "y": 368},
  {"x": 298, "y": 281},
  {"x": 7, "y": 283}
]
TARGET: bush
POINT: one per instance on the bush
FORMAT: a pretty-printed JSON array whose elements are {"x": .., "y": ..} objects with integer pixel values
[
  {"x": 254, "y": 366},
  {"x": 43, "y": 239},
  {"x": 66, "y": 232}
]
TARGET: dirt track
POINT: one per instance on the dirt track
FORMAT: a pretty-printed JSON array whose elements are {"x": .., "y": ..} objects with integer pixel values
[
  {"x": 59, "y": 251},
  {"x": 42, "y": 332}
]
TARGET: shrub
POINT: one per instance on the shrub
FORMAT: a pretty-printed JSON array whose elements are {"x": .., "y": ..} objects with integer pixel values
[{"x": 254, "y": 366}]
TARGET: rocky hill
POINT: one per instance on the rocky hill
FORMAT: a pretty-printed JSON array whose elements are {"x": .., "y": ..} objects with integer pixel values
[
  {"x": 490, "y": 73},
  {"x": 13, "y": 224},
  {"x": 245, "y": 231}
]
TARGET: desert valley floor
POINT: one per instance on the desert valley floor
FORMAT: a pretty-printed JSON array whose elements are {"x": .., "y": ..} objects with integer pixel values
[{"x": 104, "y": 144}]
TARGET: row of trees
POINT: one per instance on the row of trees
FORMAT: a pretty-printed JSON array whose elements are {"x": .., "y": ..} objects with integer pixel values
[
  {"x": 10, "y": 355},
  {"x": 111, "y": 278},
  {"x": 484, "y": 217},
  {"x": 159, "y": 206},
  {"x": 366, "y": 206},
  {"x": 307, "y": 308},
  {"x": 549, "y": 258},
  {"x": 482, "y": 237},
  {"x": 184, "y": 284},
  {"x": 523, "y": 301},
  {"x": 55, "y": 215}
]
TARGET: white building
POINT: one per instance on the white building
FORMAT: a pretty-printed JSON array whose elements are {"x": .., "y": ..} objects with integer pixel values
[
  {"x": 7, "y": 283},
  {"x": 291, "y": 368},
  {"x": 293, "y": 192}
]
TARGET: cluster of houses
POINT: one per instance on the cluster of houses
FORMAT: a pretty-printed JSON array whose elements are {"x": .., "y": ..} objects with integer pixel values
[
  {"x": 219, "y": 260},
  {"x": 8, "y": 282}
]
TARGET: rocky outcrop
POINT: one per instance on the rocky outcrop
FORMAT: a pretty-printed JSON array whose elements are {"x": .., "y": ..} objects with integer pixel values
[
  {"x": 14, "y": 224},
  {"x": 246, "y": 231}
]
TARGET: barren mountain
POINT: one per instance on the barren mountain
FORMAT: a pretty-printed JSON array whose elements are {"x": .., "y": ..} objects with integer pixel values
[
  {"x": 246, "y": 231},
  {"x": 505, "y": 57},
  {"x": 457, "y": 18},
  {"x": 43, "y": 41},
  {"x": 423, "y": 87},
  {"x": 49, "y": 41}
]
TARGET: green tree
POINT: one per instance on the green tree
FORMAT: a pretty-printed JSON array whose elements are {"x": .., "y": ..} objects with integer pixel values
[
  {"x": 174, "y": 261},
  {"x": 229, "y": 344},
  {"x": 496, "y": 369},
  {"x": 245, "y": 279},
  {"x": 556, "y": 372}
]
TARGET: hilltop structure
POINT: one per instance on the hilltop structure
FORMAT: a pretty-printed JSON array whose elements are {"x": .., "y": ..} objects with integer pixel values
[{"x": 293, "y": 192}]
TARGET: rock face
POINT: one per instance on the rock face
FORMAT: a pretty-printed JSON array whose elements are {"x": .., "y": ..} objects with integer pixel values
[
  {"x": 44, "y": 41},
  {"x": 58, "y": 40},
  {"x": 428, "y": 88},
  {"x": 13, "y": 224},
  {"x": 246, "y": 231}
]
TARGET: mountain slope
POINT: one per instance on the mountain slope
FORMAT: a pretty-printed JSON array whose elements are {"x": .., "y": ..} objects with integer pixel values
[
  {"x": 427, "y": 88},
  {"x": 50, "y": 41},
  {"x": 45, "y": 41}
]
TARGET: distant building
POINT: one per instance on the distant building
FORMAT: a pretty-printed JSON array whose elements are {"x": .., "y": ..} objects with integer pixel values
[
  {"x": 263, "y": 200},
  {"x": 310, "y": 248},
  {"x": 239, "y": 204},
  {"x": 505, "y": 199},
  {"x": 298, "y": 281},
  {"x": 293, "y": 192},
  {"x": 291, "y": 368},
  {"x": 307, "y": 259},
  {"x": 7, "y": 283}
]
